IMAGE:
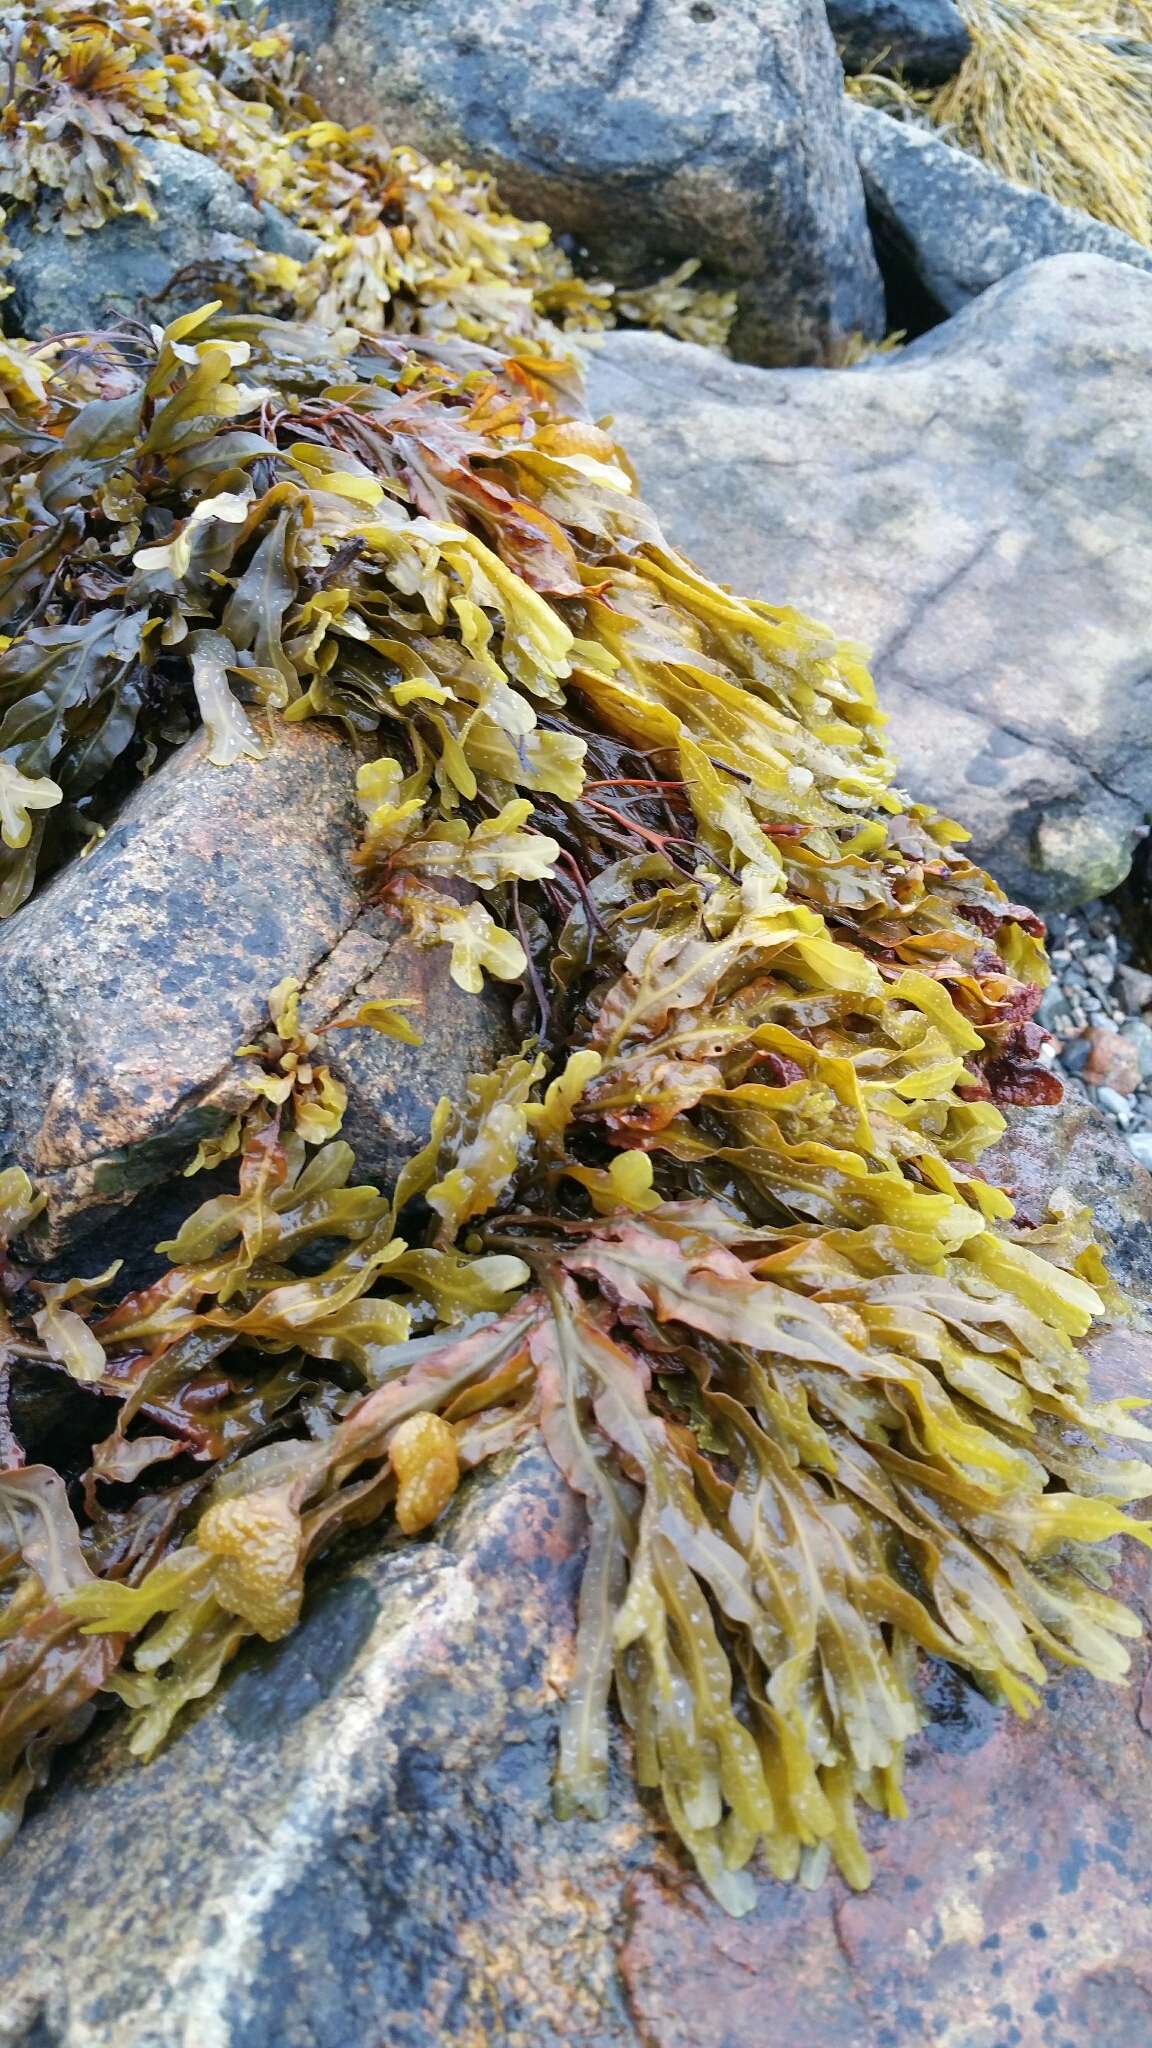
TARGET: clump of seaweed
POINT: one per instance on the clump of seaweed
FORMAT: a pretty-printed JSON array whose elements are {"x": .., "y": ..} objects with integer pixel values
[
  {"x": 717, "y": 1231},
  {"x": 419, "y": 247},
  {"x": 1053, "y": 94}
]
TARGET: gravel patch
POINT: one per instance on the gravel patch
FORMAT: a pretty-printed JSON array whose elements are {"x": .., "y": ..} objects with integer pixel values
[{"x": 1099, "y": 1011}]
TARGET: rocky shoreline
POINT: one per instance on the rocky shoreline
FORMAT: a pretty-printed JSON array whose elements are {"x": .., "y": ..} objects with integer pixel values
[{"x": 932, "y": 430}]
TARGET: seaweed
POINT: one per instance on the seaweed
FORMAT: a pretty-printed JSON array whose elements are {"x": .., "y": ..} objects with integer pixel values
[
  {"x": 716, "y": 1231},
  {"x": 1053, "y": 94},
  {"x": 424, "y": 248}
]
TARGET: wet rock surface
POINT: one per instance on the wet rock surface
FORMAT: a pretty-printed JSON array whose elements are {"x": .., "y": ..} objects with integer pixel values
[
  {"x": 925, "y": 39},
  {"x": 1075, "y": 1147},
  {"x": 132, "y": 266},
  {"x": 652, "y": 131},
  {"x": 955, "y": 223},
  {"x": 353, "y": 1842},
  {"x": 128, "y": 983},
  {"x": 977, "y": 511}
]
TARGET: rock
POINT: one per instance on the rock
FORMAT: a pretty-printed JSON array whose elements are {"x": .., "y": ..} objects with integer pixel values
[
  {"x": 1115, "y": 1105},
  {"x": 353, "y": 1844},
  {"x": 1135, "y": 987},
  {"x": 925, "y": 39},
  {"x": 1113, "y": 1061},
  {"x": 55, "y": 1420},
  {"x": 1138, "y": 1035},
  {"x": 1100, "y": 968},
  {"x": 651, "y": 130},
  {"x": 65, "y": 282},
  {"x": 1072, "y": 1147},
  {"x": 958, "y": 225},
  {"x": 977, "y": 510},
  {"x": 1140, "y": 1145},
  {"x": 1053, "y": 1012},
  {"x": 127, "y": 984}
]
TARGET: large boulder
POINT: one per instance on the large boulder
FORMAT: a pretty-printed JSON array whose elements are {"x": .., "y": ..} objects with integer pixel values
[
  {"x": 926, "y": 40},
  {"x": 977, "y": 510},
  {"x": 954, "y": 224},
  {"x": 353, "y": 1843},
  {"x": 651, "y": 130},
  {"x": 132, "y": 267},
  {"x": 128, "y": 983}
]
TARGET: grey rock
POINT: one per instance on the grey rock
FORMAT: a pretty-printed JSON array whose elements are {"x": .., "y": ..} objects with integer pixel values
[
  {"x": 1135, "y": 987},
  {"x": 1140, "y": 1034},
  {"x": 1116, "y": 1105},
  {"x": 1074, "y": 1054},
  {"x": 53, "y": 1426},
  {"x": 352, "y": 1845},
  {"x": 1053, "y": 1012},
  {"x": 1072, "y": 1146},
  {"x": 65, "y": 282},
  {"x": 925, "y": 39},
  {"x": 958, "y": 225},
  {"x": 127, "y": 984},
  {"x": 651, "y": 130},
  {"x": 977, "y": 511},
  {"x": 1140, "y": 1146},
  {"x": 1100, "y": 968}
]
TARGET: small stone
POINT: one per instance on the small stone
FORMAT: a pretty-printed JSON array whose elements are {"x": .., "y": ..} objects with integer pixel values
[
  {"x": 1140, "y": 1146},
  {"x": 1135, "y": 987},
  {"x": 1113, "y": 1061},
  {"x": 1053, "y": 1012},
  {"x": 1137, "y": 1033},
  {"x": 1114, "y": 1105},
  {"x": 1100, "y": 968},
  {"x": 1073, "y": 1054}
]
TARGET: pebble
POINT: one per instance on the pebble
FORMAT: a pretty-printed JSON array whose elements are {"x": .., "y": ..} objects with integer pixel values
[
  {"x": 1054, "y": 1013},
  {"x": 1138, "y": 1034},
  {"x": 1140, "y": 1143},
  {"x": 1074, "y": 1054},
  {"x": 1118, "y": 1106},
  {"x": 1113, "y": 1061},
  {"x": 1100, "y": 968},
  {"x": 1135, "y": 988}
]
